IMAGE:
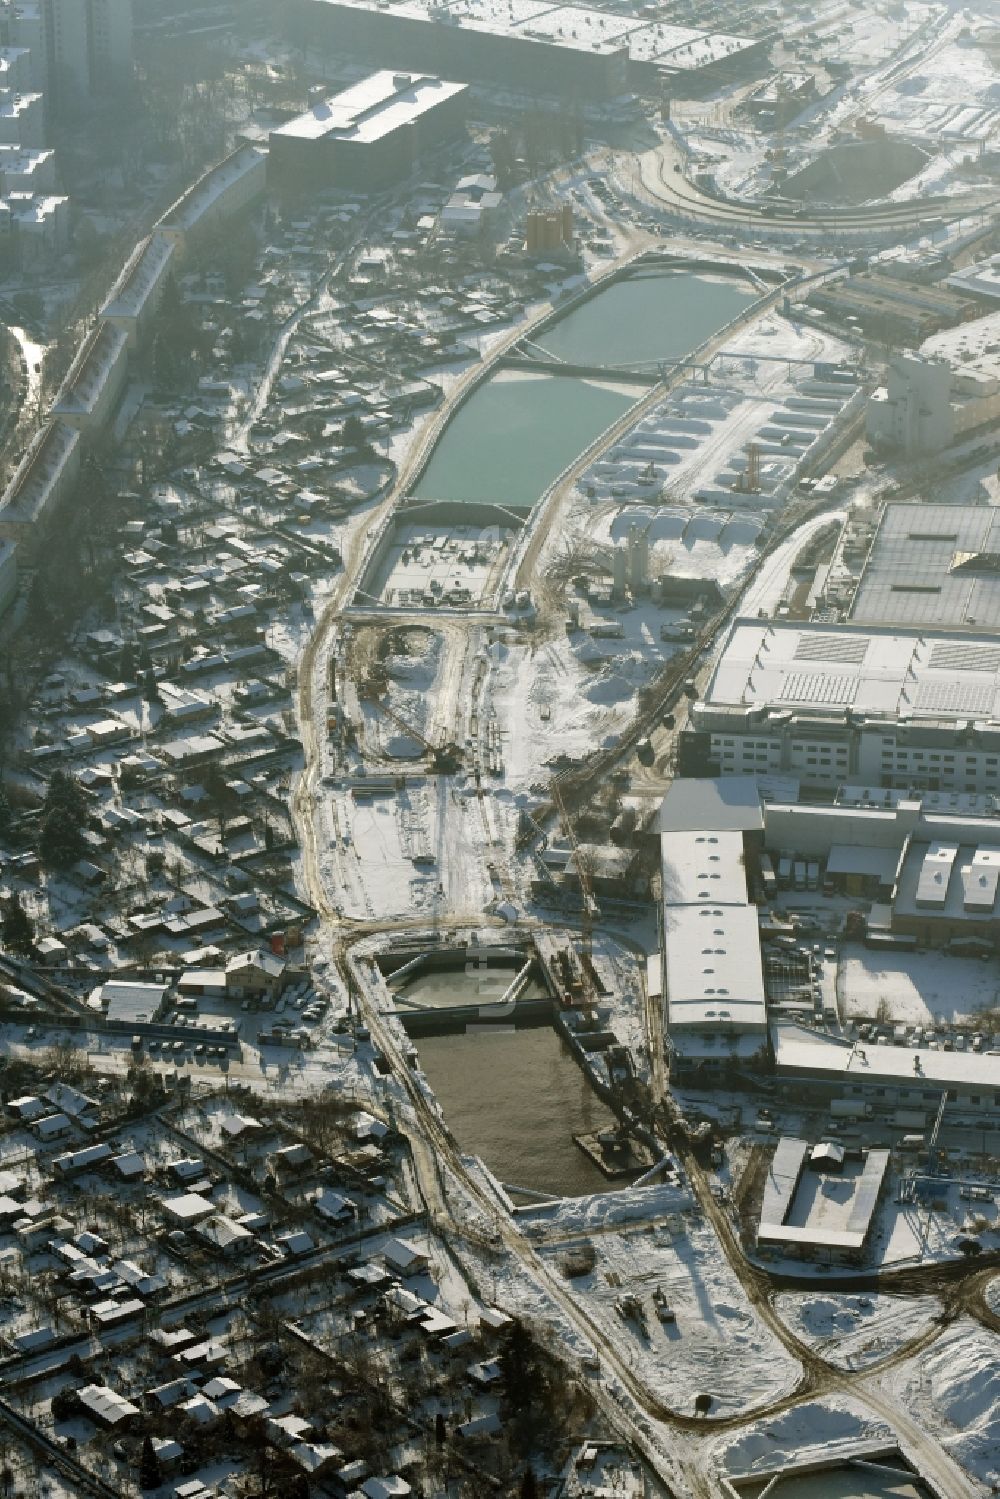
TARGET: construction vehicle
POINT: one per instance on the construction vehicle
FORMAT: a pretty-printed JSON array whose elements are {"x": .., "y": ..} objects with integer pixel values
[{"x": 444, "y": 758}]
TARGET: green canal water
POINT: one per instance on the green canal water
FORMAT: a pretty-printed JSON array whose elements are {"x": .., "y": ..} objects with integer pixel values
[
  {"x": 519, "y": 430},
  {"x": 648, "y": 317},
  {"x": 515, "y": 433}
]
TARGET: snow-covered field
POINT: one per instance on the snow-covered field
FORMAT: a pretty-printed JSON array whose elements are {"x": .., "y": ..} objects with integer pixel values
[
  {"x": 854, "y": 1331},
  {"x": 716, "y": 1345},
  {"x": 954, "y": 1387}
]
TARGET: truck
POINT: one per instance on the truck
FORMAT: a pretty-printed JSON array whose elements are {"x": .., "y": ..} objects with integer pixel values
[
  {"x": 767, "y": 877},
  {"x": 909, "y": 1119},
  {"x": 850, "y": 1108}
]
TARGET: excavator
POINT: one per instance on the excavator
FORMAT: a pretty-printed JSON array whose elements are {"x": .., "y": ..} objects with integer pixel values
[{"x": 444, "y": 758}]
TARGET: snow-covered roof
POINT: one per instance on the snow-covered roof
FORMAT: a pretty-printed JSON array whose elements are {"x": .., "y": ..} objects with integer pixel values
[
  {"x": 130, "y": 1000},
  {"x": 53, "y": 458},
  {"x": 717, "y": 803},
  {"x": 804, "y": 1052},
  {"x": 107, "y": 1405},
  {"x": 93, "y": 367},
  {"x": 367, "y": 111},
  {"x": 713, "y": 972},
  {"x": 202, "y": 196},
  {"x": 140, "y": 277},
  {"x": 933, "y": 565},
  {"x": 703, "y": 866},
  {"x": 841, "y": 1223},
  {"x": 833, "y": 669}
]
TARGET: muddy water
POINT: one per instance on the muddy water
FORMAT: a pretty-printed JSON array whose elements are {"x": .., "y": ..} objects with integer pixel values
[{"x": 516, "y": 1099}]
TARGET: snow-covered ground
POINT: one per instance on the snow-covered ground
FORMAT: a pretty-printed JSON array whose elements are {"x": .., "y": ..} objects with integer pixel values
[
  {"x": 953, "y": 96},
  {"x": 926, "y": 988},
  {"x": 569, "y": 695},
  {"x": 817, "y": 1428},
  {"x": 954, "y": 1387},
  {"x": 854, "y": 1331},
  {"x": 716, "y": 1344},
  {"x": 371, "y": 844}
]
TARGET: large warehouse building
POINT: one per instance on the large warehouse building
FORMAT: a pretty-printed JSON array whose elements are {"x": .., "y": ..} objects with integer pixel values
[
  {"x": 535, "y": 46},
  {"x": 367, "y": 136},
  {"x": 932, "y": 567},
  {"x": 711, "y": 979},
  {"x": 831, "y": 704},
  {"x": 931, "y": 877}
]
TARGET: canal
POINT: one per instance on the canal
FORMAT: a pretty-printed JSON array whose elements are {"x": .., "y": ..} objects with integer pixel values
[
  {"x": 649, "y": 317},
  {"x": 515, "y": 433},
  {"x": 518, "y": 430},
  {"x": 516, "y": 1098}
]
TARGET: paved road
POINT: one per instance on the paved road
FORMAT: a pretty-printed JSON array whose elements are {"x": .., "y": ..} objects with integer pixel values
[{"x": 661, "y": 173}]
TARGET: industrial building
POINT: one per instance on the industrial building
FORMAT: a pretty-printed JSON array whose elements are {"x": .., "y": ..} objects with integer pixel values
[
  {"x": 932, "y": 566},
  {"x": 369, "y": 135},
  {"x": 888, "y": 308},
  {"x": 933, "y": 876},
  {"x": 932, "y": 870},
  {"x": 820, "y": 1067},
  {"x": 711, "y": 979},
  {"x": 948, "y": 389},
  {"x": 800, "y": 1218},
  {"x": 535, "y": 46},
  {"x": 837, "y": 703},
  {"x": 980, "y": 279}
]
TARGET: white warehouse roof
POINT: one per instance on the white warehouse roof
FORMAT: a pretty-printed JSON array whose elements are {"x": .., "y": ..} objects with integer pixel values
[
  {"x": 373, "y": 108},
  {"x": 833, "y": 668},
  {"x": 712, "y": 968},
  {"x": 699, "y": 867}
]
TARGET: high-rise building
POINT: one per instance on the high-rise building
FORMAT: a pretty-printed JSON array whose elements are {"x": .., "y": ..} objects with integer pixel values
[
  {"x": 21, "y": 25},
  {"x": 88, "y": 47},
  {"x": 110, "y": 40}
]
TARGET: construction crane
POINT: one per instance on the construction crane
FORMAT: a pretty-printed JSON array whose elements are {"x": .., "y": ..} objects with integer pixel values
[
  {"x": 590, "y": 906},
  {"x": 933, "y": 1155},
  {"x": 749, "y": 480},
  {"x": 443, "y": 757}
]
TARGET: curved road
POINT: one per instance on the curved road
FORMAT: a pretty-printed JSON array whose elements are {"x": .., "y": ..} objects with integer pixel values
[{"x": 661, "y": 172}]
